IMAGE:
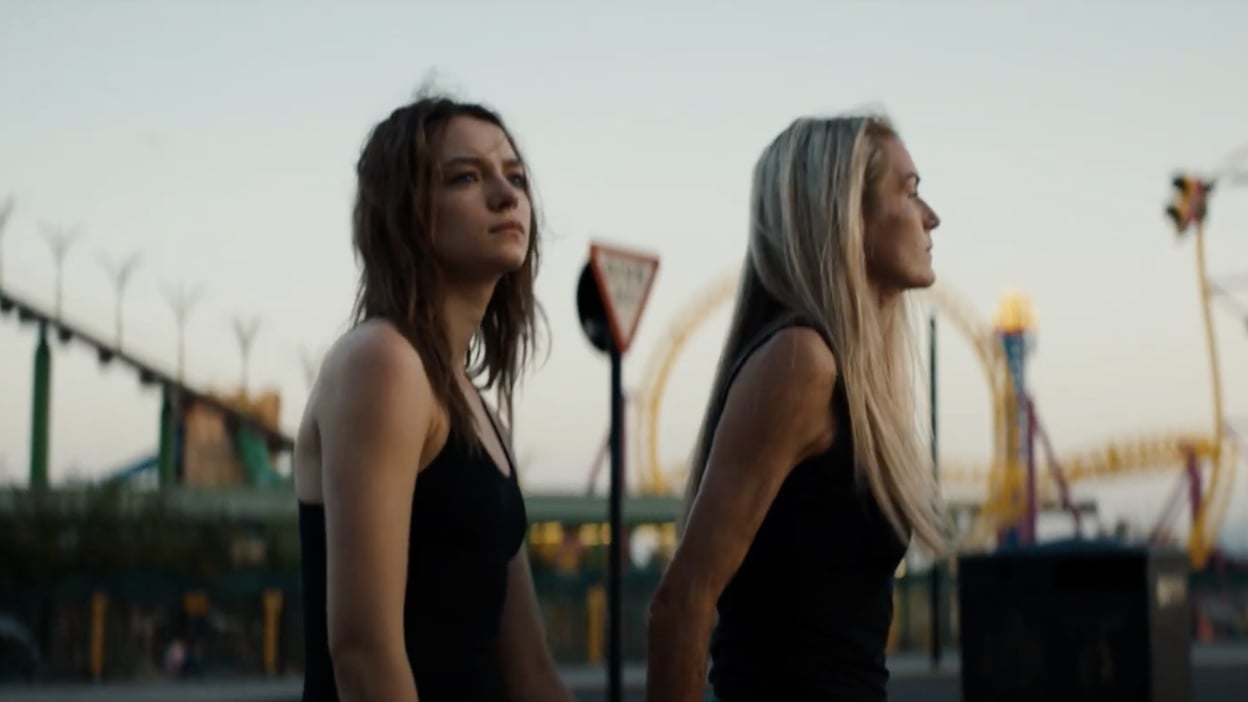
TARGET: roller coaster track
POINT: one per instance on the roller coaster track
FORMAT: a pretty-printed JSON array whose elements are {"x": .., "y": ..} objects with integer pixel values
[
  {"x": 1124, "y": 457},
  {"x": 658, "y": 372},
  {"x": 148, "y": 373}
]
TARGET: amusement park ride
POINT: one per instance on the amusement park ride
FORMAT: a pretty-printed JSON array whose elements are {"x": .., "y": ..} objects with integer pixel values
[
  {"x": 205, "y": 438},
  {"x": 1014, "y": 490}
]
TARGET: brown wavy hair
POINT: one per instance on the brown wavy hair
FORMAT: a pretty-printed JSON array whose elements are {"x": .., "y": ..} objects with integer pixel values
[{"x": 400, "y": 280}]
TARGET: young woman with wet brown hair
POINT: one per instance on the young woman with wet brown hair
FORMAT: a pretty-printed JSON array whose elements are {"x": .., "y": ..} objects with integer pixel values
[{"x": 416, "y": 577}]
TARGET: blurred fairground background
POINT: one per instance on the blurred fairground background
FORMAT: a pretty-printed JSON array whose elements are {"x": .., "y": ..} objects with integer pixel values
[{"x": 175, "y": 185}]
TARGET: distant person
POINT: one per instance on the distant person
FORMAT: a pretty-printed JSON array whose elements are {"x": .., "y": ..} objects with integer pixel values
[
  {"x": 412, "y": 524},
  {"x": 809, "y": 476},
  {"x": 175, "y": 657}
]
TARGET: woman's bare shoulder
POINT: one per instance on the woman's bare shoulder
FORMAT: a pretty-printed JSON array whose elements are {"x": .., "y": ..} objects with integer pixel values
[
  {"x": 370, "y": 349},
  {"x": 798, "y": 360}
]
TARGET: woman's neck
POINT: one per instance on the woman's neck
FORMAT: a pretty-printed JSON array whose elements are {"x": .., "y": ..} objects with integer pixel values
[{"x": 463, "y": 311}]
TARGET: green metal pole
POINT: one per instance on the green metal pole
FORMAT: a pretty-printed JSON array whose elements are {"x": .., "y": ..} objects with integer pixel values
[
  {"x": 903, "y": 606},
  {"x": 165, "y": 457},
  {"x": 41, "y": 412},
  {"x": 936, "y": 599}
]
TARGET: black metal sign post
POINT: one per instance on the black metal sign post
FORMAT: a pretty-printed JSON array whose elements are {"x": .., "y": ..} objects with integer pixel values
[
  {"x": 615, "y": 559},
  {"x": 610, "y": 295}
]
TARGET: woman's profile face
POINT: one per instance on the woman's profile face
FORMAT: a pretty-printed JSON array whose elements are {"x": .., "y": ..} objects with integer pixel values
[
  {"x": 898, "y": 224},
  {"x": 482, "y": 212}
]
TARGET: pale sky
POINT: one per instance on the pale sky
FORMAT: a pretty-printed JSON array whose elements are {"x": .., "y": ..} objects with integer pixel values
[{"x": 219, "y": 138}]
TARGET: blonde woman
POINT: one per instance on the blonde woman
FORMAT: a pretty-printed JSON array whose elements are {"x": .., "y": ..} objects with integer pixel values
[{"x": 809, "y": 477}]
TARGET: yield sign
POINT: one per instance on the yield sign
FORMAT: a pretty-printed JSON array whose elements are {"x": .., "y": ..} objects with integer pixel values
[{"x": 624, "y": 280}]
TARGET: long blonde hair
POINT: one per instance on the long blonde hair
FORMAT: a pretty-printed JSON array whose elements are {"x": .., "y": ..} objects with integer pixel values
[{"x": 807, "y": 256}]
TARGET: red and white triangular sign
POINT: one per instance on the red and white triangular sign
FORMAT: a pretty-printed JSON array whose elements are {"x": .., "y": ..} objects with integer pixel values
[{"x": 624, "y": 280}]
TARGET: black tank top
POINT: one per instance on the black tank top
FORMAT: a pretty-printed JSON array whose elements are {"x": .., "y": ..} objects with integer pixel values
[
  {"x": 807, "y": 614},
  {"x": 468, "y": 521}
]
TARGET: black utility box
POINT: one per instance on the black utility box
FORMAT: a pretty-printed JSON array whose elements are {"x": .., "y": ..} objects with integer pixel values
[{"x": 1074, "y": 621}]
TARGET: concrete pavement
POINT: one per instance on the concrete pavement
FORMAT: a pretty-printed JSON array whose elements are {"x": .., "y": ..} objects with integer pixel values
[{"x": 1220, "y": 675}]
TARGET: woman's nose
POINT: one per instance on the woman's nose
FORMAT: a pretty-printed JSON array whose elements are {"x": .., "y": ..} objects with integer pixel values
[{"x": 503, "y": 195}]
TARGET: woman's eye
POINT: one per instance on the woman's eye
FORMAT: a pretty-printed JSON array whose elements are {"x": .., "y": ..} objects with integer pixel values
[
  {"x": 519, "y": 180},
  {"x": 463, "y": 178}
]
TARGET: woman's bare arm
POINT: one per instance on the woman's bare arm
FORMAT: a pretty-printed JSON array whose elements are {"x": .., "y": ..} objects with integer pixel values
[
  {"x": 379, "y": 407},
  {"x": 777, "y": 413},
  {"x": 528, "y": 667}
]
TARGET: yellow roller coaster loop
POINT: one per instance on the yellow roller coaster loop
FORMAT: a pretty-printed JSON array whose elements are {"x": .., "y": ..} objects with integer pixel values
[{"x": 658, "y": 371}]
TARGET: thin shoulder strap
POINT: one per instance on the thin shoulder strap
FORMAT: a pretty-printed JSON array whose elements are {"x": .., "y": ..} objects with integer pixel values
[{"x": 498, "y": 433}]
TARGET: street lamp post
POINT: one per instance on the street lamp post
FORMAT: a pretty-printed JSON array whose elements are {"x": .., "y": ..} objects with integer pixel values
[
  {"x": 60, "y": 238},
  {"x": 120, "y": 274},
  {"x": 245, "y": 332},
  {"x": 182, "y": 300}
]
